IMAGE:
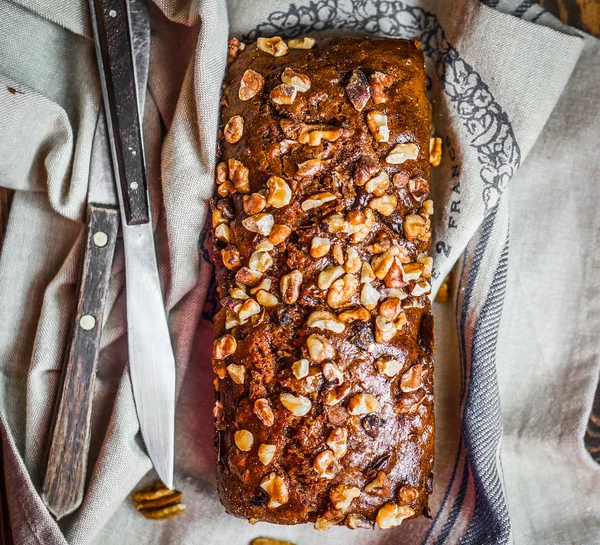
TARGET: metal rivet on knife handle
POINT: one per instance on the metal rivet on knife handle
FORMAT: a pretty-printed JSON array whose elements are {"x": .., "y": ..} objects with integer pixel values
[
  {"x": 87, "y": 322},
  {"x": 100, "y": 239}
]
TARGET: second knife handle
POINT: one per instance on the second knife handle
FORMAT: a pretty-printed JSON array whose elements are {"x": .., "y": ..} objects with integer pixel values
[
  {"x": 65, "y": 476},
  {"x": 118, "y": 64}
]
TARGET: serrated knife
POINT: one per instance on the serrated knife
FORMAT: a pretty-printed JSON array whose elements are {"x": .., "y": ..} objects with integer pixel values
[{"x": 122, "y": 37}]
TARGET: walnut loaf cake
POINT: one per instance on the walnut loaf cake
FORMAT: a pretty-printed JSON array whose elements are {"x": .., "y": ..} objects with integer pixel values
[{"x": 324, "y": 339}]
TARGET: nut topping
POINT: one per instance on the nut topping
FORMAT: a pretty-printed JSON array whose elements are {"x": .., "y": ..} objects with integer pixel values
[
  {"x": 411, "y": 380},
  {"x": 333, "y": 397},
  {"x": 390, "y": 308},
  {"x": 342, "y": 290},
  {"x": 329, "y": 276},
  {"x": 251, "y": 84},
  {"x": 238, "y": 174},
  {"x": 342, "y": 495},
  {"x": 234, "y": 129},
  {"x": 243, "y": 440},
  {"x": 382, "y": 263},
  {"x": 260, "y": 261},
  {"x": 254, "y": 203},
  {"x": 338, "y": 253},
  {"x": 378, "y": 184},
  {"x": 310, "y": 168},
  {"x": 385, "y": 330},
  {"x": 236, "y": 372},
  {"x": 379, "y": 82},
  {"x": 275, "y": 486},
  {"x": 388, "y": 367},
  {"x": 384, "y": 205},
  {"x": 249, "y": 309},
  {"x": 365, "y": 228},
  {"x": 418, "y": 188},
  {"x": 333, "y": 374},
  {"x": 314, "y": 201},
  {"x": 290, "y": 286},
  {"x": 357, "y": 521},
  {"x": 407, "y": 494},
  {"x": 378, "y": 125},
  {"x": 414, "y": 226},
  {"x": 435, "y": 151},
  {"x": 336, "y": 223},
  {"x": 263, "y": 411},
  {"x": 224, "y": 346},
  {"x": 369, "y": 296},
  {"x": 266, "y": 299},
  {"x": 315, "y": 138},
  {"x": 222, "y": 172},
  {"x": 300, "y": 368},
  {"x": 358, "y": 89},
  {"x": 266, "y": 453},
  {"x": 359, "y": 314},
  {"x": 402, "y": 152},
  {"x": 247, "y": 277},
  {"x": 352, "y": 262},
  {"x": 428, "y": 207},
  {"x": 326, "y": 465},
  {"x": 223, "y": 233},
  {"x": 337, "y": 442},
  {"x": 319, "y": 348},
  {"x": 391, "y": 515},
  {"x": 319, "y": 247},
  {"x": 412, "y": 271},
  {"x": 300, "y": 81},
  {"x": 234, "y": 47},
  {"x": 427, "y": 263},
  {"x": 366, "y": 273},
  {"x": 302, "y": 43},
  {"x": 231, "y": 257},
  {"x": 420, "y": 288},
  {"x": 279, "y": 194},
  {"x": 274, "y": 46},
  {"x": 363, "y": 404},
  {"x": 218, "y": 218},
  {"x": 279, "y": 234},
  {"x": 326, "y": 321},
  {"x": 379, "y": 486},
  {"x": 283, "y": 94},
  {"x": 297, "y": 405}
]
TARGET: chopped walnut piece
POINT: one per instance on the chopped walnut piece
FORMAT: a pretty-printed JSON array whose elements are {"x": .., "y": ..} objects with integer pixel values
[
  {"x": 391, "y": 515},
  {"x": 326, "y": 465},
  {"x": 263, "y": 411},
  {"x": 302, "y": 43},
  {"x": 233, "y": 49},
  {"x": 428, "y": 207},
  {"x": 266, "y": 453},
  {"x": 407, "y": 494},
  {"x": 388, "y": 366},
  {"x": 249, "y": 309},
  {"x": 378, "y": 125},
  {"x": 297, "y": 405},
  {"x": 411, "y": 380},
  {"x": 329, "y": 276},
  {"x": 378, "y": 184},
  {"x": 379, "y": 246},
  {"x": 390, "y": 308},
  {"x": 435, "y": 151},
  {"x": 290, "y": 286},
  {"x": 385, "y": 205},
  {"x": 234, "y": 129},
  {"x": 422, "y": 287},
  {"x": 279, "y": 194},
  {"x": 247, "y": 276},
  {"x": 237, "y": 373},
  {"x": 337, "y": 441},
  {"x": 309, "y": 168},
  {"x": 338, "y": 253},
  {"x": 326, "y": 321},
  {"x": 259, "y": 223},
  {"x": 385, "y": 330},
  {"x": 427, "y": 263},
  {"x": 402, "y": 152},
  {"x": 231, "y": 257},
  {"x": 218, "y": 218},
  {"x": 264, "y": 246},
  {"x": 243, "y": 440},
  {"x": 357, "y": 521},
  {"x": 251, "y": 84},
  {"x": 412, "y": 271},
  {"x": 275, "y": 486},
  {"x": 283, "y": 94},
  {"x": 418, "y": 188},
  {"x": 274, "y": 46},
  {"x": 223, "y": 233},
  {"x": 300, "y": 368},
  {"x": 342, "y": 290},
  {"x": 366, "y": 169},
  {"x": 358, "y": 89},
  {"x": 322, "y": 524},
  {"x": 342, "y": 495},
  {"x": 222, "y": 172},
  {"x": 231, "y": 319},
  {"x": 279, "y": 234},
  {"x": 359, "y": 314},
  {"x": 352, "y": 263},
  {"x": 382, "y": 263},
  {"x": 365, "y": 228},
  {"x": 316, "y": 137},
  {"x": 238, "y": 174},
  {"x": 363, "y": 404},
  {"x": 224, "y": 346},
  {"x": 300, "y": 81},
  {"x": 226, "y": 188},
  {"x": 400, "y": 180},
  {"x": 254, "y": 203},
  {"x": 333, "y": 397},
  {"x": 260, "y": 261},
  {"x": 369, "y": 296},
  {"x": 314, "y": 201},
  {"x": 319, "y": 348},
  {"x": 414, "y": 226},
  {"x": 400, "y": 322},
  {"x": 319, "y": 247},
  {"x": 333, "y": 375},
  {"x": 380, "y": 486},
  {"x": 266, "y": 299},
  {"x": 379, "y": 81},
  {"x": 366, "y": 273}
]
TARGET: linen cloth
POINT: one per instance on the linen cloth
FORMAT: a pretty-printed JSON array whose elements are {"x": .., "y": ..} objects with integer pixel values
[{"x": 516, "y": 104}]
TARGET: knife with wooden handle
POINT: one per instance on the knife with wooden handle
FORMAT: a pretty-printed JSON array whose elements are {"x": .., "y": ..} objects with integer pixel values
[
  {"x": 65, "y": 477},
  {"x": 121, "y": 32}
]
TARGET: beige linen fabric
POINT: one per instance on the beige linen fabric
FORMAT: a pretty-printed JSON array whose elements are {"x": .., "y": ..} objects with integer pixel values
[{"x": 547, "y": 361}]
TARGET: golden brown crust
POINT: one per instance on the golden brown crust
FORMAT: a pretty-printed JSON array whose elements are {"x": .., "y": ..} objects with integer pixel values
[{"x": 324, "y": 343}]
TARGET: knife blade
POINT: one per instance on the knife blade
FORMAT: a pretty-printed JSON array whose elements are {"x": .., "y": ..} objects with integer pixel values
[
  {"x": 64, "y": 480},
  {"x": 151, "y": 359}
]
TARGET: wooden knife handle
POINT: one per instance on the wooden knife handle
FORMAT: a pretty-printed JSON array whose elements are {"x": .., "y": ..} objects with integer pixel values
[
  {"x": 64, "y": 482},
  {"x": 117, "y": 55}
]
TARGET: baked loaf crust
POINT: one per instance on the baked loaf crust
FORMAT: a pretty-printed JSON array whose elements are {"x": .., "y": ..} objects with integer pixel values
[{"x": 324, "y": 342}]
